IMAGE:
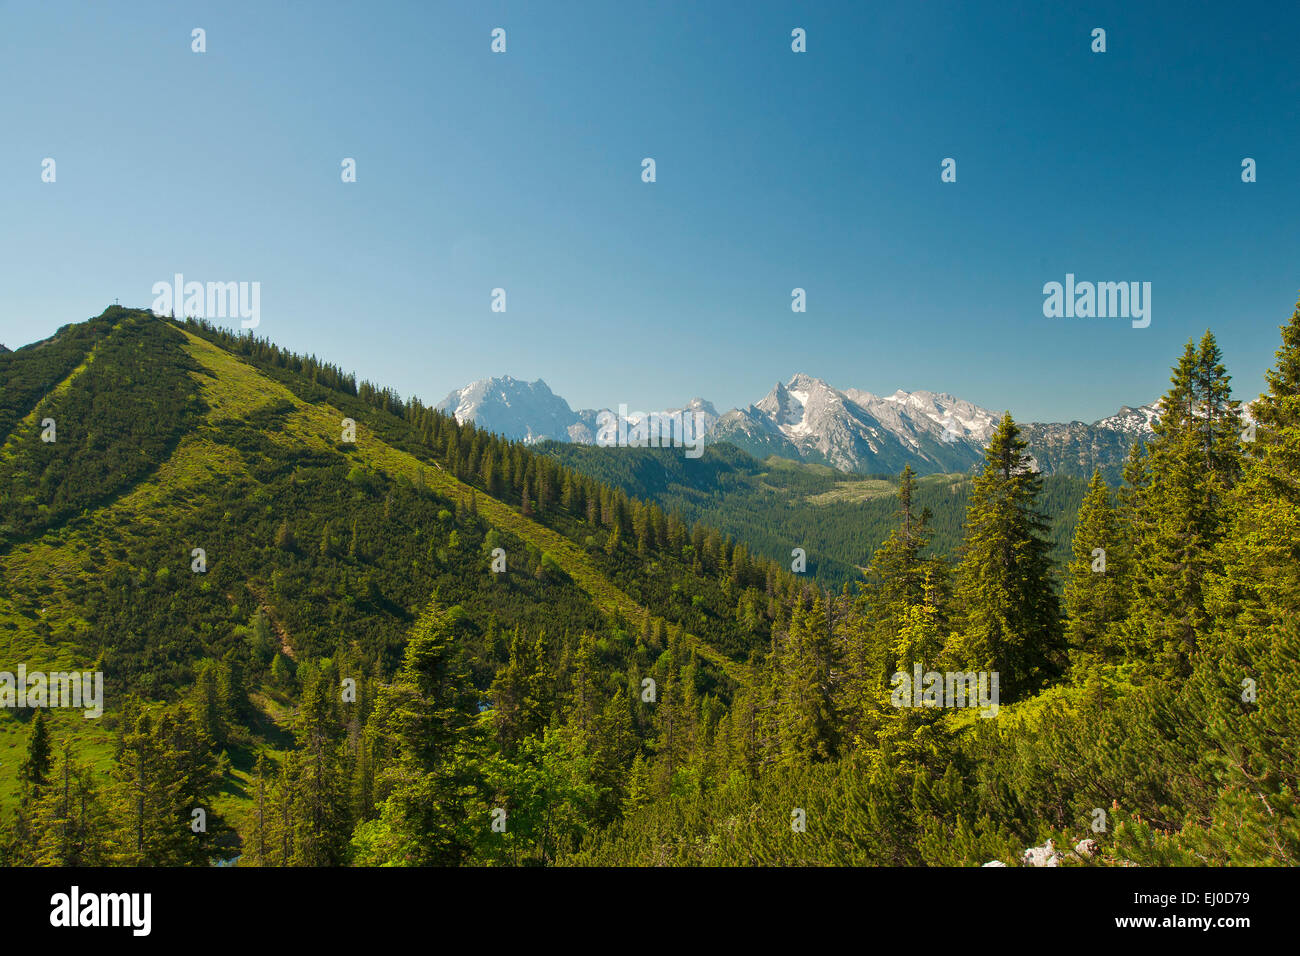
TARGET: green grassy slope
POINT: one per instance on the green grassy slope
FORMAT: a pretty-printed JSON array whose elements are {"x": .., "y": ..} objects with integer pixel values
[{"x": 168, "y": 442}]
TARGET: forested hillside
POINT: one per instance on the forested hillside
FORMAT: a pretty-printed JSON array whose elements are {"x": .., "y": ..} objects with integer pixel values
[
  {"x": 352, "y": 631},
  {"x": 838, "y": 518},
  {"x": 320, "y": 554}
]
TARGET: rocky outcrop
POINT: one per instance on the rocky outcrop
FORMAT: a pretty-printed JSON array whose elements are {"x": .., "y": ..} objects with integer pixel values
[{"x": 1049, "y": 855}]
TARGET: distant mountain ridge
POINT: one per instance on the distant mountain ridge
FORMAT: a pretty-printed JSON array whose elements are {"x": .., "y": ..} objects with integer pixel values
[
  {"x": 531, "y": 412},
  {"x": 808, "y": 420}
]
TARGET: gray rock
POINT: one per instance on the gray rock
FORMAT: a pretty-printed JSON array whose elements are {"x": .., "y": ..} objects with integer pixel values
[{"x": 1045, "y": 855}]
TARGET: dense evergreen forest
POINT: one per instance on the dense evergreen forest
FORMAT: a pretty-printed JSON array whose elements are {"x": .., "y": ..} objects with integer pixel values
[
  {"x": 406, "y": 641},
  {"x": 839, "y": 519}
]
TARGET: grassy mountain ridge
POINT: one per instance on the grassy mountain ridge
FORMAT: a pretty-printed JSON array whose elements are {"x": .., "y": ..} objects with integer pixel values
[{"x": 167, "y": 440}]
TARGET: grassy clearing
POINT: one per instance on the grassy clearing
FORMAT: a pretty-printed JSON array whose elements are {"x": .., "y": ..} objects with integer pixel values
[
  {"x": 775, "y": 463},
  {"x": 852, "y": 491}
]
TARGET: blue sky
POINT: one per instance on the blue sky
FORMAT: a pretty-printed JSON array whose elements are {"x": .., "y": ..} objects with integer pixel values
[{"x": 775, "y": 170}]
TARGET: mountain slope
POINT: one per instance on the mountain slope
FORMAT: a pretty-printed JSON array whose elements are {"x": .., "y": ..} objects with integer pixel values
[{"x": 173, "y": 437}]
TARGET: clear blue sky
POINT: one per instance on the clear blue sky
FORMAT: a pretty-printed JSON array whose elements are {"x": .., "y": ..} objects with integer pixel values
[{"x": 775, "y": 170}]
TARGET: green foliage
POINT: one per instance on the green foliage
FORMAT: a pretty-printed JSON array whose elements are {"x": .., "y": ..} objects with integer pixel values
[
  {"x": 1098, "y": 579},
  {"x": 1179, "y": 506},
  {"x": 1010, "y": 614},
  {"x": 349, "y": 683},
  {"x": 839, "y": 519}
]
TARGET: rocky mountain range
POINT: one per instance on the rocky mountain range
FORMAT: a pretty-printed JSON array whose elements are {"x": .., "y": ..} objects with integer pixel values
[{"x": 808, "y": 420}]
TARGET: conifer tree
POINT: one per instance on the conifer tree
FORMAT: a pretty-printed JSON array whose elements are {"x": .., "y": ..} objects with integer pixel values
[
  {"x": 166, "y": 770},
  {"x": 901, "y": 579},
  {"x": 33, "y": 777},
  {"x": 70, "y": 822},
  {"x": 34, "y": 771},
  {"x": 205, "y": 701},
  {"x": 612, "y": 745},
  {"x": 1096, "y": 589},
  {"x": 1259, "y": 586},
  {"x": 430, "y": 710},
  {"x": 1009, "y": 609},
  {"x": 256, "y": 846},
  {"x": 232, "y": 691},
  {"x": 808, "y": 719},
  {"x": 323, "y": 813},
  {"x": 1179, "y": 506}
]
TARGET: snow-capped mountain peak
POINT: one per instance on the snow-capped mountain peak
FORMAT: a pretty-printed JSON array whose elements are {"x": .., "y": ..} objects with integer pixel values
[
  {"x": 531, "y": 412},
  {"x": 808, "y": 419},
  {"x": 509, "y": 406}
]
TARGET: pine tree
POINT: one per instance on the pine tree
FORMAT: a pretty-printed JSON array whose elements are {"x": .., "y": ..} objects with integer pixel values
[
  {"x": 33, "y": 778},
  {"x": 323, "y": 811},
  {"x": 206, "y": 703},
  {"x": 281, "y": 805},
  {"x": 612, "y": 745},
  {"x": 69, "y": 822},
  {"x": 807, "y": 711},
  {"x": 34, "y": 771},
  {"x": 901, "y": 579},
  {"x": 667, "y": 719},
  {"x": 165, "y": 770},
  {"x": 257, "y": 846},
  {"x": 1010, "y": 612},
  {"x": 430, "y": 710},
  {"x": 523, "y": 691},
  {"x": 1259, "y": 586},
  {"x": 1179, "y": 506},
  {"x": 284, "y": 537},
  {"x": 232, "y": 691},
  {"x": 1096, "y": 589}
]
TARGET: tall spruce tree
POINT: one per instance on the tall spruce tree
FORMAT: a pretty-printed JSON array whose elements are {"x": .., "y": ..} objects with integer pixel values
[
  {"x": 70, "y": 823},
  {"x": 1010, "y": 614},
  {"x": 807, "y": 709},
  {"x": 33, "y": 778},
  {"x": 323, "y": 813},
  {"x": 1259, "y": 586},
  {"x": 902, "y": 578},
  {"x": 34, "y": 771},
  {"x": 430, "y": 710},
  {"x": 166, "y": 770},
  {"x": 1096, "y": 588},
  {"x": 1178, "y": 507}
]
